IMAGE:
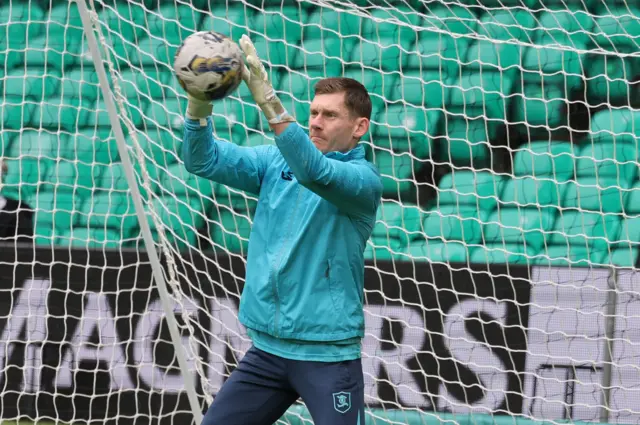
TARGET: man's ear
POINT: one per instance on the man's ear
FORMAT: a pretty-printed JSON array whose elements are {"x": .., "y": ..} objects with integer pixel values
[{"x": 361, "y": 126}]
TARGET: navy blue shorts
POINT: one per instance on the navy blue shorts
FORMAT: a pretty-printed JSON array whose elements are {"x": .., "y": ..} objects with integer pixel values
[{"x": 263, "y": 386}]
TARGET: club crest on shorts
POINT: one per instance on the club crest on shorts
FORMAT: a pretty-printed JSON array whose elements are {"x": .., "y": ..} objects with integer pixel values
[{"x": 342, "y": 401}]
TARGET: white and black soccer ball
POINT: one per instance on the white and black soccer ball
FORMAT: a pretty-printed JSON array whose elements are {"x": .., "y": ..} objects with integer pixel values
[{"x": 208, "y": 65}]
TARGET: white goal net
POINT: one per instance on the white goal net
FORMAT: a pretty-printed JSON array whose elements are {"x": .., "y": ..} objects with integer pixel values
[{"x": 500, "y": 279}]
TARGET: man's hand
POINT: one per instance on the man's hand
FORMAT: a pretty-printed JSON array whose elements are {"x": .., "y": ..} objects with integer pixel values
[
  {"x": 198, "y": 109},
  {"x": 256, "y": 78}
]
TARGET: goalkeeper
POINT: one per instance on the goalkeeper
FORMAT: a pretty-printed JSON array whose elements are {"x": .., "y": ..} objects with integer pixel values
[{"x": 302, "y": 303}]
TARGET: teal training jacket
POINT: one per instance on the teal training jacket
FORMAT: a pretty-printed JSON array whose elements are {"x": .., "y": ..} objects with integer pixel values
[{"x": 305, "y": 263}]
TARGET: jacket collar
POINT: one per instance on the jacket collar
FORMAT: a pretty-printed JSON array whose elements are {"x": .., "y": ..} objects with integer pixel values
[{"x": 355, "y": 153}]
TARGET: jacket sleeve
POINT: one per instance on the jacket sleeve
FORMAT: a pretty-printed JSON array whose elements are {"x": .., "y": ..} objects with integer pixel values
[
  {"x": 355, "y": 188},
  {"x": 240, "y": 167}
]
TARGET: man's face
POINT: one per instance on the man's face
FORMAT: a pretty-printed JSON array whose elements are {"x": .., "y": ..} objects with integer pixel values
[{"x": 331, "y": 126}]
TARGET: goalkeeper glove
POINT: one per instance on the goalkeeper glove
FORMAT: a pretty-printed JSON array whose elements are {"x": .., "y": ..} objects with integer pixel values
[
  {"x": 198, "y": 109},
  {"x": 255, "y": 76}
]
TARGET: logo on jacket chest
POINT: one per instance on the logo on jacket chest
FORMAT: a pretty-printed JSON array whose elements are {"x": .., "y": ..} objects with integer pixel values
[{"x": 287, "y": 175}]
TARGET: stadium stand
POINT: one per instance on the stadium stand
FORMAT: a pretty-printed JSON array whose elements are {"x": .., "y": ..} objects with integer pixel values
[{"x": 445, "y": 108}]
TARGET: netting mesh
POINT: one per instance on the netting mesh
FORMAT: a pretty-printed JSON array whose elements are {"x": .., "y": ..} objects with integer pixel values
[{"x": 506, "y": 136}]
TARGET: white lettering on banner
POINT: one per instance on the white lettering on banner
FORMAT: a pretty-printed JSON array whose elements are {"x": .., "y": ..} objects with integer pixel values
[
  {"x": 227, "y": 332},
  {"x": 97, "y": 319},
  {"x": 144, "y": 346},
  {"x": 394, "y": 360},
  {"x": 625, "y": 395},
  {"x": 475, "y": 355},
  {"x": 565, "y": 343},
  {"x": 28, "y": 317}
]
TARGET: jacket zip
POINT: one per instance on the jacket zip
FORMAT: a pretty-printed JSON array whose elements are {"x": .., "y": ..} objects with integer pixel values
[{"x": 275, "y": 278}]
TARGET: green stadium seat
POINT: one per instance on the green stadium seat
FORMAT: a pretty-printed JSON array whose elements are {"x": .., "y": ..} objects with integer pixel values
[
  {"x": 24, "y": 175},
  {"x": 501, "y": 24},
  {"x": 380, "y": 85},
  {"x": 14, "y": 110},
  {"x": 477, "y": 94},
  {"x": 383, "y": 24},
  {"x": 422, "y": 89},
  {"x": 232, "y": 21},
  {"x": 613, "y": 125},
  {"x": 410, "y": 126},
  {"x": 465, "y": 141},
  {"x": 6, "y": 137},
  {"x": 623, "y": 257},
  {"x": 298, "y": 85},
  {"x": 153, "y": 53},
  {"x": 178, "y": 181},
  {"x": 141, "y": 86},
  {"x": 37, "y": 144},
  {"x": 593, "y": 194},
  {"x": 571, "y": 256},
  {"x": 549, "y": 65},
  {"x": 452, "y": 19},
  {"x": 488, "y": 56},
  {"x": 618, "y": 30},
  {"x": 503, "y": 253},
  {"x": 180, "y": 219},
  {"x": 618, "y": 161},
  {"x": 532, "y": 192},
  {"x": 396, "y": 225},
  {"x": 397, "y": 171},
  {"x": 633, "y": 200},
  {"x": 231, "y": 232},
  {"x": 124, "y": 20},
  {"x": 91, "y": 147},
  {"x": 234, "y": 115},
  {"x": 45, "y": 235},
  {"x": 611, "y": 79},
  {"x": 321, "y": 57},
  {"x": 112, "y": 177},
  {"x": 97, "y": 115},
  {"x": 32, "y": 82},
  {"x": 439, "y": 54},
  {"x": 383, "y": 250},
  {"x": 44, "y": 51},
  {"x": 540, "y": 109},
  {"x": 386, "y": 54},
  {"x": 60, "y": 113},
  {"x": 276, "y": 54},
  {"x": 167, "y": 113},
  {"x": 544, "y": 159},
  {"x": 564, "y": 26},
  {"x": 25, "y": 23},
  {"x": 436, "y": 251},
  {"x": 328, "y": 23},
  {"x": 109, "y": 210},
  {"x": 90, "y": 238},
  {"x": 55, "y": 209},
  {"x": 479, "y": 189},
  {"x": 173, "y": 22},
  {"x": 455, "y": 223},
  {"x": 521, "y": 226},
  {"x": 82, "y": 85},
  {"x": 68, "y": 177},
  {"x": 64, "y": 22},
  {"x": 629, "y": 235},
  {"x": 585, "y": 229},
  {"x": 280, "y": 23}
]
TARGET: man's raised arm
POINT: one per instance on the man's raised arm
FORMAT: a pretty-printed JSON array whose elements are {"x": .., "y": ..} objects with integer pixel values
[
  {"x": 355, "y": 188},
  {"x": 240, "y": 167}
]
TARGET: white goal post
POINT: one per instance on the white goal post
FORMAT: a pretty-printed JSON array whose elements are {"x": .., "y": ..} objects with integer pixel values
[{"x": 501, "y": 283}]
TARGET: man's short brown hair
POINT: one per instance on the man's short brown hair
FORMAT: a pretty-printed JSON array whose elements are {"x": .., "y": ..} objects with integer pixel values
[{"x": 356, "y": 97}]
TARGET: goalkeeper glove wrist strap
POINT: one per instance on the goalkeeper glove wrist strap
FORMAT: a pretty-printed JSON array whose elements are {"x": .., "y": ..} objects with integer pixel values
[
  {"x": 275, "y": 112},
  {"x": 199, "y": 110}
]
